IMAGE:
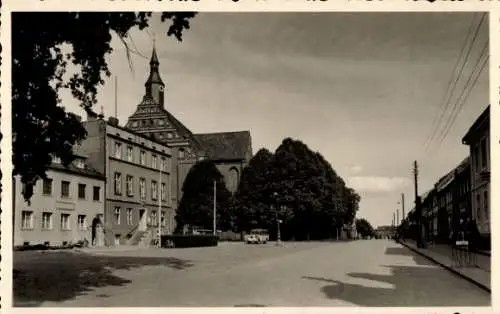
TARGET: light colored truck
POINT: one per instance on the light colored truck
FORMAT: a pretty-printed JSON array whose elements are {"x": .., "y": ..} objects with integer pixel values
[{"x": 257, "y": 236}]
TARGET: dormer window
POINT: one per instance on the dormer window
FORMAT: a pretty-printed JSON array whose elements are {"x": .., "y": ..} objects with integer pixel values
[{"x": 79, "y": 164}]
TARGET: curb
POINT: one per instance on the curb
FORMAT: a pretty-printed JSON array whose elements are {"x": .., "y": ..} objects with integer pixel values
[{"x": 477, "y": 283}]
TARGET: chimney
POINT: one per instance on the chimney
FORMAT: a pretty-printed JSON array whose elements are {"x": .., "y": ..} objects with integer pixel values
[{"x": 113, "y": 121}]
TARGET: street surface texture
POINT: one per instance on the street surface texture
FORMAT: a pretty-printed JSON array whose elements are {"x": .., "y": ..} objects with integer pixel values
[{"x": 358, "y": 273}]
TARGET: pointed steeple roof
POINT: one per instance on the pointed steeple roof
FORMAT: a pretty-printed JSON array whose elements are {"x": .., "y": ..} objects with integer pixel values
[{"x": 154, "y": 74}]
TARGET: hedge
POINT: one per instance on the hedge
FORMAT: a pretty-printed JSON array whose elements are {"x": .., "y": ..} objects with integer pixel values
[{"x": 184, "y": 241}]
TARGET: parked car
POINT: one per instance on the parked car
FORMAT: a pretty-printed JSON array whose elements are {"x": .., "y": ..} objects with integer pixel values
[{"x": 257, "y": 236}]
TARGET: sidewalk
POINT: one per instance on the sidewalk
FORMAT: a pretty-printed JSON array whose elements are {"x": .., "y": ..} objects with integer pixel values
[{"x": 441, "y": 254}]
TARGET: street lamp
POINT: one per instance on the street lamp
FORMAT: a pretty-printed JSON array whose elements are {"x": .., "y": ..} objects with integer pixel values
[{"x": 278, "y": 221}]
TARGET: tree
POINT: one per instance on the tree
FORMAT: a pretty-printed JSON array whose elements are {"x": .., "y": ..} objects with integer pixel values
[
  {"x": 196, "y": 205},
  {"x": 252, "y": 199},
  {"x": 364, "y": 228},
  {"x": 41, "y": 127}
]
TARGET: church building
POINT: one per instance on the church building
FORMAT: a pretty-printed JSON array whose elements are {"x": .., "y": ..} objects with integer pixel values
[{"x": 230, "y": 151}]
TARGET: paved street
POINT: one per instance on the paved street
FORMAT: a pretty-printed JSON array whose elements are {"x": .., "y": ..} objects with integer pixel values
[{"x": 359, "y": 273}]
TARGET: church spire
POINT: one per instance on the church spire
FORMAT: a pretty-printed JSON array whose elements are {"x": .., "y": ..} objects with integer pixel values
[{"x": 154, "y": 84}]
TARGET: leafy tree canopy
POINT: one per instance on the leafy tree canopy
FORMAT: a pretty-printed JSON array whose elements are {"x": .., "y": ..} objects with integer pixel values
[
  {"x": 299, "y": 187},
  {"x": 196, "y": 205},
  {"x": 41, "y": 126}
]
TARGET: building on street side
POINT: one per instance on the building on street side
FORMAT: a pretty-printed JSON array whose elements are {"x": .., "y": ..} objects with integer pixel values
[
  {"x": 63, "y": 205},
  {"x": 139, "y": 176},
  {"x": 478, "y": 140}
]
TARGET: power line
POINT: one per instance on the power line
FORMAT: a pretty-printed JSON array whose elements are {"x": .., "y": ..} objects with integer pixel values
[
  {"x": 434, "y": 126},
  {"x": 466, "y": 96},
  {"x": 448, "y": 101}
]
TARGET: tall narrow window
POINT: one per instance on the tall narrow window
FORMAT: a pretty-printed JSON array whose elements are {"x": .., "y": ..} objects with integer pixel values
[
  {"x": 154, "y": 190},
  {"x": 162, "y": 219},
  {"x": 143, "y": 158},
  {"x": 65, "y": 189},
  {"x": 118, "y": 150},
  {"x": 129, "y": 216},
  {"x": 130, "y": 153},
  {"x": 130, "y": 185},
  {"x": 82, "y": 222},
  {"x": 118, "y": 183},
  {"x": 81, "y": 191},
  {"x": 154, "y": 220},
  {"x": 163, "y": 192},
  {"x": 27, "y": 219},
  {"x": 154, "y": 162},
  {"x": 47, "y": 186},
  {"x": 142, "y": 187},
  {"x": 117, "y": 215},
  {"x": 47, "y": 221},
  {"x": 163, "y": 164},
  {"x": 65, "y": 225},
  {"x": 97, "y": 193}
]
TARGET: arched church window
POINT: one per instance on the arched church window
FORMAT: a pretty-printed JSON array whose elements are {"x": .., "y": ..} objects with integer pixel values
[
  {"x": 169, "y": 135},
  {"x": 232, "y": 180},
  {"x": 181, "y": 153},
  {"x": 134, "y": 124},
  {"x": 160, "y": 122}
]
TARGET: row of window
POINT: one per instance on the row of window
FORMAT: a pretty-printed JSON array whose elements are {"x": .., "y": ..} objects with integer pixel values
[
  {"x": 130, "y": 216},
  {"x": 130, "y": 190},
  {"x": 27, "y": 221},
  {"x": 156, "y": 163},
  {"x": 47, "y": 189}
]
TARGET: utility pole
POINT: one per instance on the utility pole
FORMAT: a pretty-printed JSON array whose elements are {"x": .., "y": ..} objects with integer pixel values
[
  {"x": 393, "y": 219},
  {"x": 418, "y": 207},
  {"x": 397, "y": 217},
  {"x": 403, "y": 205},
  {"x": 159, "y": 210},
  {"x": 215, "y": 207}
]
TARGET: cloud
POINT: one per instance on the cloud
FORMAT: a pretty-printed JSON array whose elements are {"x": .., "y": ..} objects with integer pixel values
[
  {"x": 356, "y": 169},
  {"x": 378, "y": 184}
]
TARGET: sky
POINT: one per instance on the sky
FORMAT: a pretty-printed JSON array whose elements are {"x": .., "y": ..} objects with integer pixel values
[{"x": 363, "y": 89}]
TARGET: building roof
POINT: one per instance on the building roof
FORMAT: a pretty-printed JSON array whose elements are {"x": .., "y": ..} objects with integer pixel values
[
  {"x": 226, "y": 145},
  {"x": 476, "y": 126},
  {"x": 445, "y": 180},
  {"x": 87, "y": 171}
]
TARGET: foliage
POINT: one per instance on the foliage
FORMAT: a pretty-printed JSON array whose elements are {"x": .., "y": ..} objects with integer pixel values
[
  {"x": 196, "y": 205},
  {"x": 41, "y": 126},
  {"x": 364, "y": 228},
  {"x": 252, "y": 197},
  {"x": 298, "y": 187}
]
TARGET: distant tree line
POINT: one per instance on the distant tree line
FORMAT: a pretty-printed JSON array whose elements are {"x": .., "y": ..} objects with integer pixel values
[
  {"x": 294, "y": 185},
  {"x": 364, "y": 228}
]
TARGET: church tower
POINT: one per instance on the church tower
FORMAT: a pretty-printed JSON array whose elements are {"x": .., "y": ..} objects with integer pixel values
[{"x": 154, "y": 85}]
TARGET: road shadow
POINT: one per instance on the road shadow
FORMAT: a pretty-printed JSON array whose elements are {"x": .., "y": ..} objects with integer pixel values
[
  {"x": 59, "y": 276},
  {"x": 408, "y": 286},
  {"x": 404, "y": 251}
]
